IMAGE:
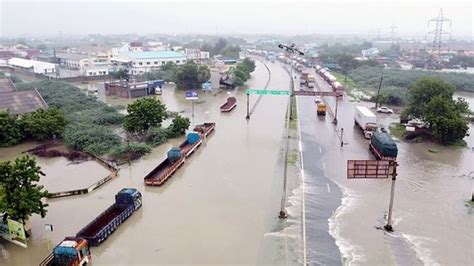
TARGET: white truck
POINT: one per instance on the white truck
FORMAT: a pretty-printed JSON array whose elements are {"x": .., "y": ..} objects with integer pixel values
[{"x": 366, "y": 120}]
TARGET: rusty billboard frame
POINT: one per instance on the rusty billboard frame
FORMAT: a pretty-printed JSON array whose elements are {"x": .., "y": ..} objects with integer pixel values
[{"x": 370, "y": 169}]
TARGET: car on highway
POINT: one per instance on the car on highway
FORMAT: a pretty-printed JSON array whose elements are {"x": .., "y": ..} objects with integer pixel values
[
  {"x": 311, "y": 85},
  {"x": 317, "y": 99},
  {"x": 384, "y": 109}
]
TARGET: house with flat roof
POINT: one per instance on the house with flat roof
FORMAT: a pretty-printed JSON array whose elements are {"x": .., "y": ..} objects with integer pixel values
[
  {"x": 34, "y": 66},
  {"x": 142, "y": 62},
  {"x": 76, "y": 61}
]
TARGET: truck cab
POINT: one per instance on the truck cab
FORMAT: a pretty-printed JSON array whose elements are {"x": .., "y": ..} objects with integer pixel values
[
  {"x": 128, "y": 196},
  {"x": 321, "y": 109},
  {"x": 72, "y": 251}
]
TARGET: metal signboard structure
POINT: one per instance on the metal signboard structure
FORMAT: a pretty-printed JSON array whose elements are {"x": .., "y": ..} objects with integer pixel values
[
  {"x": 267, "y": 92},
  {"x": 369, "y": 169},
  {"x": 315, "y": 93},
  {"x": 375, "y": 169},
  {"x": 192, "y": 96}
]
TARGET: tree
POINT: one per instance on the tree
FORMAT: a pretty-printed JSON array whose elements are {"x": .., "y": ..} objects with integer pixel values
[
  {"x": 249, "y": 64},
  {"x": 22, "y": 195},
  {"x": 346, "y": 62},
  {"x": 91, "y": 138},
  {"x": 179, "y": 125},
  {"x": 449, "y": 130},
  {"x": 219, "y": 46},
  {"x": 44, "y": 124},
  {"x": 143, "y": 114},
  {"x": 10, "y": 130},
  {"x": 422, "y": 92},
  {"x": 191, "y": 75},
  {"x": 231, "y": 51},
  {"x": 169, "y": 66},
  {"x": 119, "y": 74}
]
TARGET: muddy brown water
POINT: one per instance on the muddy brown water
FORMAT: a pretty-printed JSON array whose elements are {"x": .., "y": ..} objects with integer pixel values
[{"x": 214, "y": 210}]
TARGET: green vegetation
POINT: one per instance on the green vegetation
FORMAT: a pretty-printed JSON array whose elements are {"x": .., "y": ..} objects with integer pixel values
[
  {"x": 369, "y": 77},
  {"x": 397, "y": 130},
  {"x": 178, "y": 126},
  {"x": 44, "y": 124},
  {"x": 191, "y": 75},
  {"x": 241, "y": 72},
  {"x": 11, "y": 132},
  {"x": 119, "y": 74},
  {"x": 130, "y": 151},
  {"x": 144, "y": 114},
  {"x": 292, "y": 157},
  {"x": 87, "y": 118},
  {"x": 21, "y": 193},
  {"x": 224, "y": 48},
  {"x": 39, "y": 125},
  {"x": 90, "y": 138},
  {"x": 166, "y": 73},
  {"x": 431, "y": 99},
  {"x": 156, "y": 136}
]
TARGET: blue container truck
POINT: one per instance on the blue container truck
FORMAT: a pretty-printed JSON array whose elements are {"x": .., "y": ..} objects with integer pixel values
[
  {"x": 193, "y": 137},
  {"x": 174, "y": 154},
  {"x": 127, "y": 201},
  {"x": 72, "y": 251},
  {"x": 383, "y": 147}
]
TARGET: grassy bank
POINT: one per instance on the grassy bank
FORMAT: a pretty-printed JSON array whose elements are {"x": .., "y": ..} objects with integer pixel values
[{"x": 397, "y": 130}]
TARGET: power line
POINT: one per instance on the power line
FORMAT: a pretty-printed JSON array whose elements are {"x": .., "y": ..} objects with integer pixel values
[
  {"x": 393, "y": 32},
  {"x": 438, "y": 31}
]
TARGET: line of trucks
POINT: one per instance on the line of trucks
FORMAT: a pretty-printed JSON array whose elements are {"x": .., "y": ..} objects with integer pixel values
[
  {"x": 331, "y": 80},
  {"x": 73, "y": 251},
  {"x": 381, "y": 144}
]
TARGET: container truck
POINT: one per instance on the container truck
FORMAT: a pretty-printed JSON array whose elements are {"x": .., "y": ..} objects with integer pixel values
[
  {"x": 127, "y": 201},
  {"x": 321, "y": 109},
  {"x": 366, "y": 120},
  {"x": 72, "y": 251},
  {"x": 383, "y": 147}
]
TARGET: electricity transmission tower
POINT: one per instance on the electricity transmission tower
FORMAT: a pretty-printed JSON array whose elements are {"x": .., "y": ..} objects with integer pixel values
[
  {"x": 393, "y": 32},
  {"x": 438, "y": 31}
]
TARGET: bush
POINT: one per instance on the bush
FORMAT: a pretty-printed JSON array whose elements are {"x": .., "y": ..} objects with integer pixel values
[
  {"x": 44, "y": 124},
  {"x": 157, "y": 136},
  {"x": 11, "y": 132},
  {"x": 90, "y": 138},
  {"x": 178, "y": 126},
  {"x": 131, "y": 151}
]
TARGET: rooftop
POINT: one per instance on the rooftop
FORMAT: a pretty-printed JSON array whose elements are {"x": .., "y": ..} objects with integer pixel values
[
  {"x": 155, "y": 54},
  {"x": 6, "y": 85},
  {"x": 26, "y": 63},
  {"x": 72, "y": 56},
  {"x": 20, "y": 102}
]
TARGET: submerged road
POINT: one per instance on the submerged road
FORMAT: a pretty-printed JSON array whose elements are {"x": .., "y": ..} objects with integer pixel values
[{"x": 322, "y": 195}]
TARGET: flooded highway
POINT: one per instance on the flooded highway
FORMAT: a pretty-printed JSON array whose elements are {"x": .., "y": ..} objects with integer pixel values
[
  {"x": 217, "y": 209},
  {"x": 432, "y": 223}
]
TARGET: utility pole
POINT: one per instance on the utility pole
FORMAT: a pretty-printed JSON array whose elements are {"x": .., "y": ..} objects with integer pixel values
[
  {"x": 248, "y": 106},
  {"x": 335, "y": 112},
  {"x": 378, "y": 93},
  {"x": 438, "y": 31},
  {"x": 342, "y": 135}
]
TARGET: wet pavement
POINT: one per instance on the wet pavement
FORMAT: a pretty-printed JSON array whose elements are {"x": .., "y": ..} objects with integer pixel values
[{"x": 432, "y": 223}]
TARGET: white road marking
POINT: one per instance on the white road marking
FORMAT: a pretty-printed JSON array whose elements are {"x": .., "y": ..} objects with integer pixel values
[
  {"x": 303, "y": 188},
  {"x": 329, "y": 189},
  {"x": 324, "y": 166},
  {"x": 320, "y": 150}
]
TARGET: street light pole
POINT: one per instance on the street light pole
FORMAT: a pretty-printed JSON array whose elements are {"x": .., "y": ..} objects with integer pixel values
[
  {"x": 248, "y": 106},
  {"x": 388, "y": 226},
  {"x": 335, "y": 113}
]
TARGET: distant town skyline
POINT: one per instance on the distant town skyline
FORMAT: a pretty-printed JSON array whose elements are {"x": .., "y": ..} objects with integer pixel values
[{"x": 50, "y": 18}]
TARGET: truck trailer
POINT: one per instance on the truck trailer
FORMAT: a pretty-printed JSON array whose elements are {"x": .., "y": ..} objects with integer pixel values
[
  {"x": 127, "y": 201},
  {"x": 366, "y": 120},
  {"x": 72, "y": 251},
  {"x": 383, "y": 147}
]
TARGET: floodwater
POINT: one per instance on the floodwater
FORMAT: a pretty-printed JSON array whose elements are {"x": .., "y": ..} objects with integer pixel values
[
  {"x": 432, "y": 223},
  {"x": 216, "y": 209}
]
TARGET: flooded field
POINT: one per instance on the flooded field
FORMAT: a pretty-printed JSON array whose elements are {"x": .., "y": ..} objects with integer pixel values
[{"x": 216, "y": 209}]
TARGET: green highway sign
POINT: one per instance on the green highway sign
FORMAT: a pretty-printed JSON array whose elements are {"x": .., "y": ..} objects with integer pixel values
[{"x": 267, "y": 92}]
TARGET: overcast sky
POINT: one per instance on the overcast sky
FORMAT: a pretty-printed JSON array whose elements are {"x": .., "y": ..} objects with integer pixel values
[{"x": 35, "y": 18}]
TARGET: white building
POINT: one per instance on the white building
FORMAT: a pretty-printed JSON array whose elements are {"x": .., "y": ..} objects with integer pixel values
[
  {"x": 371, "y": 52},
  {"x": 198, "y": 56},
  {"x": 96, "y": 71},
  {"x": 76, "y": 61},
  {"x": 142, "y": 62},
  {"x": 38, "y": 67}
]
